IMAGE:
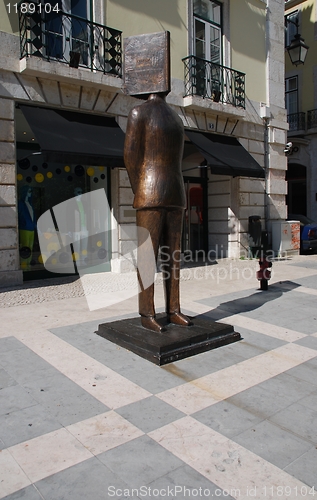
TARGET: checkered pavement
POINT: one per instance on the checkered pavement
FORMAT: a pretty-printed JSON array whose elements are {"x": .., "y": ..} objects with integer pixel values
[{"x": 83, "y": 418}]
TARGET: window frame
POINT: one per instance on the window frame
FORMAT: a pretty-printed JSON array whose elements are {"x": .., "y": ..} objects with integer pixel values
[
  {"x": 290, "y": 28},
  {"x": 288, "y": 92},
  {"x": 208, "y": 23}
]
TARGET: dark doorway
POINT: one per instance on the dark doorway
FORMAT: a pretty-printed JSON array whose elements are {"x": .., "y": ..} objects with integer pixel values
[
  {"x": 195, "y": 230},
  {"x": 297, "y": 189}
]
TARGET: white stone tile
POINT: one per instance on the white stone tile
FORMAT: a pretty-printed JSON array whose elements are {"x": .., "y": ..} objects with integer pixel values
[
  {"x": 103, "y": 101},
  {"x": 103, "y": 432},
  {"x": 282, "y": 271},
  {"x": 88, "y": 97},
  {"x": 12, "y": 477},
  {"x": 51, "y": 91},
  {"x": 69, "y": 94},
  {"x": 11, "y": 87},
  {"x": 208, "y": 390},
  {"x": 256, "y": 325},
  {"x": 45, "y": 455},
  {"x": 122, "y": 105},
  {"x": 104, "y": 384},
  {"x": 7, "y": 193},
  {"x": 304, "y": 289},
  {"x": 238, "y": 471},
  {"x": 32, "y": 87}
]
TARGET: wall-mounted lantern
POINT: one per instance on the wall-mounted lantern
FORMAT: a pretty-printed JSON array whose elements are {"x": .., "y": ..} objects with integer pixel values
[{"x": 297, "y": 49}]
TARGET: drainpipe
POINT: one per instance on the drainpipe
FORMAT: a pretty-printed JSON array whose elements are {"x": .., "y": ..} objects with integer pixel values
[
  {"x": 266, "y": 169},
  {"x": 265, "y": 110}
]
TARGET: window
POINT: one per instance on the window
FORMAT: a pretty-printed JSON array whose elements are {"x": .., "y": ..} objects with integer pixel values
[
  {"x": 207, "y": 30},
  {"x": 291, "y": 95},
  {"x": 66, "y": 34},
  {"x": 207, "y": 45},
  {"x": 295, "y": 119},
  {"x": 290, "y": 27}
]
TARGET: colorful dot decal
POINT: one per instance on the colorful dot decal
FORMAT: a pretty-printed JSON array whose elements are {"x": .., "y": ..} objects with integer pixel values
[
  {"x": 67, "y": 168},
  {"x": 90, "y": 171},
  {"x": 25, "y": 252},
  {"x": 41, "y": 259},
  {"x": 24, "y": 164},
  {"x": 102, "y": 253},
  {"x": 49, "y": 175},
  {"x": 79, "y": 170},
  {"x": 63, "y": 257},
  {"x": 39, "y": 177},
  {"x": 75, "y": 256},
  {"x": 19, "y": 177},
  {"x": 52, "y": 247}
]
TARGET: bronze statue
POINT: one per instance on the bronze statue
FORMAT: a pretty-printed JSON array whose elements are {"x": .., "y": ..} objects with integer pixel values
[{"x": 153, "y": 154}]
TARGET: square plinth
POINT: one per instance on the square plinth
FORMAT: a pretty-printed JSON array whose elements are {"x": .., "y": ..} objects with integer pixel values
[{"x": 176, "y": 343}]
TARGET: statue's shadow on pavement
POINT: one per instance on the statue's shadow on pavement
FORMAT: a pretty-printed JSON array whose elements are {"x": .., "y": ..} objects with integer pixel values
[
  {"x": 249, "y": 303},
  {"x": 181, "y": 342}
]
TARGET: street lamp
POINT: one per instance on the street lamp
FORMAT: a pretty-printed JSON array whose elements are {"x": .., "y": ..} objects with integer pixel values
[{"x": 297, "y": 49}]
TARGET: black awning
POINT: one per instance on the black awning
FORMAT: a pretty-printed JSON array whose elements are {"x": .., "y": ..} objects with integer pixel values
[
  {"x": 225, "y": 155},
  {"x": 67, "y": 136}
]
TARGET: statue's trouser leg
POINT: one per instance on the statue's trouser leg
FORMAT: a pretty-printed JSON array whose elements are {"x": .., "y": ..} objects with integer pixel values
[
  {"x": 152, "y": 221},
  {"x": 171, "y": 245}
]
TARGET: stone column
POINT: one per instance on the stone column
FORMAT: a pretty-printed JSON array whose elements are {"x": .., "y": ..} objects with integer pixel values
[
  {"x": 9, "y": 254},
  {"x": 277, "y": 124}
]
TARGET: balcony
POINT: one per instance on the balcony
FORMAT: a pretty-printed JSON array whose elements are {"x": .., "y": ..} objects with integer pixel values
[
  {"x": 312, "y": 118},
  {"x": 69, "y": 39},
  {"x": 213, "y": 81},
  {"x": 296, "y": 122}
]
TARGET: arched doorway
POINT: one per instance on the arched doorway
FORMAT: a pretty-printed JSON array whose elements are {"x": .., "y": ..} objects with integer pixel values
[{"x": 296, "y": 199}]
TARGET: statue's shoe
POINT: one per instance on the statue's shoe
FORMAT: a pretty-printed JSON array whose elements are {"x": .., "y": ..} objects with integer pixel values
[
  {"x": 150, "y": 323},
  {"x": 180, "y": 319}
]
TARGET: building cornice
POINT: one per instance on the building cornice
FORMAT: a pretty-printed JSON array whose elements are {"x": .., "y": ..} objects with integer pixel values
[{"x": 293, "y": 3}]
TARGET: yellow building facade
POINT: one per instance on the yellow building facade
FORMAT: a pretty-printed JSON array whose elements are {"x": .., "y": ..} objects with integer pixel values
[{"x": 301, "y": 104}]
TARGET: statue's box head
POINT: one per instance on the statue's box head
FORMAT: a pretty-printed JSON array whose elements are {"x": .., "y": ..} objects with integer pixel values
[{"x": 147, "y": 64}]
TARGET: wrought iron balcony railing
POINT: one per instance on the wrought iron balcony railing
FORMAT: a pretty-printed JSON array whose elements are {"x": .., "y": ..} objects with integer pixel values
[
  {"x": 59, "y": 36},
  {"x": 296, "y": 121},
  {"x": 213, "y": 81},
  {"x": 312, "y": 118}
]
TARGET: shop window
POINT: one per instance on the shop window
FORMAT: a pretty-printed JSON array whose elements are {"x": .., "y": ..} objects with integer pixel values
[{"x": 41, "y": 186}]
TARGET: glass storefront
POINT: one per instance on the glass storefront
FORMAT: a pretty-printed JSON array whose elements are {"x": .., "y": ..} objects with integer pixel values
[{"x": 42, "y": 187}]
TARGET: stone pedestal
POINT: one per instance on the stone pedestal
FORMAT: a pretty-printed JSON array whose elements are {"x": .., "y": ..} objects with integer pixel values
[{"x": 176, "y": 343}]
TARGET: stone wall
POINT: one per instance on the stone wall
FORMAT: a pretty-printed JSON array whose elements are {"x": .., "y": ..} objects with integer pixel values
[{"x": 9, "y": 259}]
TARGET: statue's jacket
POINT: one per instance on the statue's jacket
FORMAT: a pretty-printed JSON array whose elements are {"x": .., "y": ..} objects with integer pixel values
[{"x": 153, "y": 155}]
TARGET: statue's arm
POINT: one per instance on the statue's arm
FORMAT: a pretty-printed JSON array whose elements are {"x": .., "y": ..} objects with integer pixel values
[{"x": 134, "y": 147}]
